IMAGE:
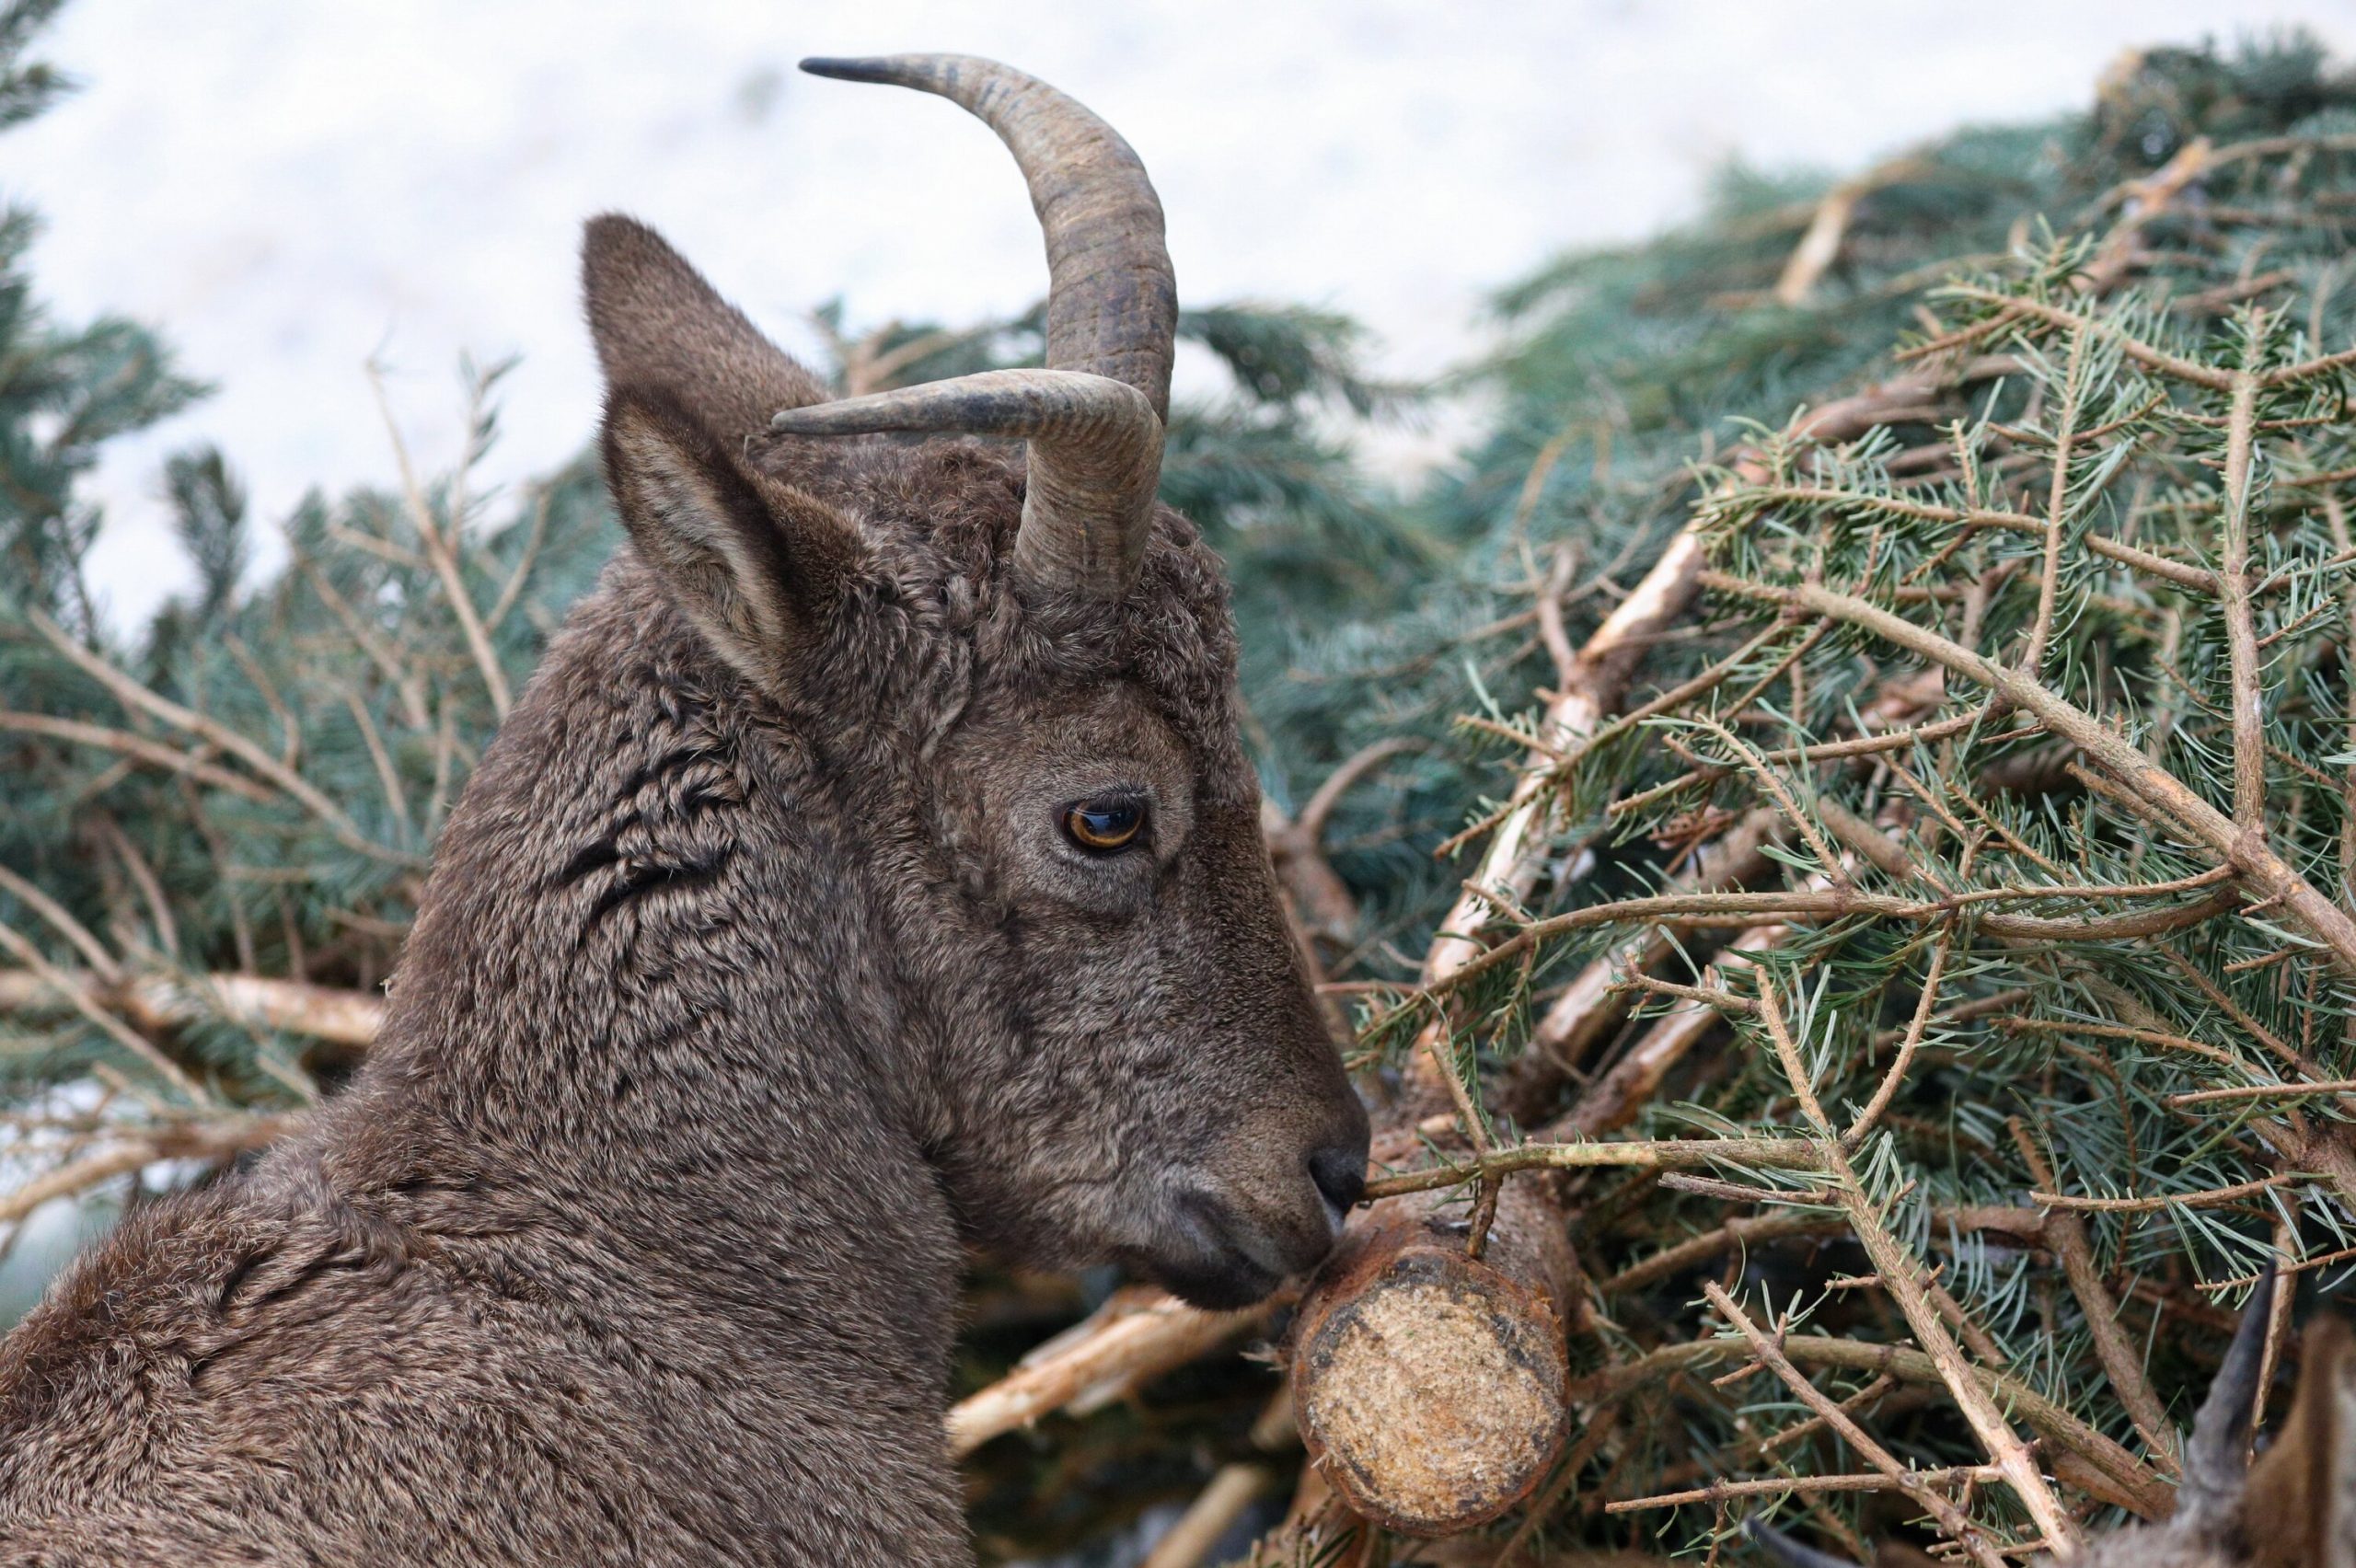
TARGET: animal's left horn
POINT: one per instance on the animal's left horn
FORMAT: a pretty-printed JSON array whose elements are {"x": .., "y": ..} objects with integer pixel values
[
  {"x": 1111, "y": 315},
  {"x": 1095, "y": 459},
  {"x": 2216, "y": 1457}
]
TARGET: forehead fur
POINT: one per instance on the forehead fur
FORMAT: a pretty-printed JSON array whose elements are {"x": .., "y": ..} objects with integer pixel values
[{"x": 941, "y": 515}]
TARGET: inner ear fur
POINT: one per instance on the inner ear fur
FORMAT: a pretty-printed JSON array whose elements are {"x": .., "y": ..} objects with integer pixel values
[
  {"x": 755, "y": 563},
  {"x": 2300, "y": 1509}
]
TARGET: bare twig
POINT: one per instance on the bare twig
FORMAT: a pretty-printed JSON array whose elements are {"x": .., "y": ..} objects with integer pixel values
[
  {"x": 92, "y": 952},
  {"x": 1828, "y": 225},
  {"x": 1198, "y": 1529},
  {"x": 216, "y": 1139},
  {"x": 131, "y": 694},
  {"x": 122, "y": 742},
  {"x": 1667, "y": 1154},
  {"x": 442, "y": 552},
  {"x": 2210, "y": 1198},
  {"x": 130, "y": 1040},
  {"x": 158, "y": 1002},
  {"x": 1135, "y": 1336},
  {"x": 1805, "y": 1485},
  {"x": 2241, "y": 626},
  {"x": 2048, "y": 580}
]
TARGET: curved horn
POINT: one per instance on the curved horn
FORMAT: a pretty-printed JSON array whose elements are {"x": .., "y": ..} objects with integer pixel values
[
  {"x": 1111, "y": 299},
  {"x": 2216, "y": 1457},
  {"x": 1111, "y": 308},
  {"x": 1095, "y": 457}
]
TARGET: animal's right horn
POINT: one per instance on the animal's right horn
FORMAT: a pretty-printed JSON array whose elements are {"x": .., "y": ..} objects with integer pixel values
[{"x": 1112, "y": 316}]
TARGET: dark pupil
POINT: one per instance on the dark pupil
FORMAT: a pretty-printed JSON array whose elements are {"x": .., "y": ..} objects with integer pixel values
[{"x": 1103, "y": 826}]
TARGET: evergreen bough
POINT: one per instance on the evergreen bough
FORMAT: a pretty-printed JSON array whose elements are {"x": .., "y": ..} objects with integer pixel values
[{"x": 1970, "y": 859}]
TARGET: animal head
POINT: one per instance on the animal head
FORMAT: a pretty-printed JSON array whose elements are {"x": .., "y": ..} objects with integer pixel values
[
  {"x": 2294, "y": 1508},
  {"x": 1019, "y": 679}
]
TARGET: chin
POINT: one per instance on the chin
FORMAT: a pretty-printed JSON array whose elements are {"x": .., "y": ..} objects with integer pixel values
[
  {"x": 1218, "y": 1284},
  {"x": 1216, "y": 1257}
]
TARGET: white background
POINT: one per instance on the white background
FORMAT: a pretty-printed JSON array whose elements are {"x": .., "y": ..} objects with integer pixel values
[{"x": 292, "y": 187}]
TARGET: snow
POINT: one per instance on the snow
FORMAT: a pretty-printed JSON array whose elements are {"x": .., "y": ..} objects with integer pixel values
[{"x": 291, "y": 189}]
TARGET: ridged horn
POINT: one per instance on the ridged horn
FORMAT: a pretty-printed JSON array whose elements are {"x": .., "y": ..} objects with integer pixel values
[
  {"x": 1095, "y": 459},
  {"x": 1112, "y": 323},
  {"x": 2216, "y": 1456}
]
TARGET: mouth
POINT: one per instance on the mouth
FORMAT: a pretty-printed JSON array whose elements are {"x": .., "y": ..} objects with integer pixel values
[{"x": 1221, "y": 1261}]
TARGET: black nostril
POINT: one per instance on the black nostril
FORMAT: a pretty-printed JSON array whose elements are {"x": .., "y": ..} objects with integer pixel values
[{"x": 1340, "y": 1174}]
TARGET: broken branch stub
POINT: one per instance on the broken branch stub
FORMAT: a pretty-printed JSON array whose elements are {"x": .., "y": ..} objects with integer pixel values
[{"x": 1429, "y": 1385}]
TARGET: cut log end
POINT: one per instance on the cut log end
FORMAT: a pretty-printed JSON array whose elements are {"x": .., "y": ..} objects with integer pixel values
[{"x": 1429, "y": 1385}]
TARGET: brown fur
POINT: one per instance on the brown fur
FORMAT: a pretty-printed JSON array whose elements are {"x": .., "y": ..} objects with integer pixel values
[{"x": 752, "y": 978}]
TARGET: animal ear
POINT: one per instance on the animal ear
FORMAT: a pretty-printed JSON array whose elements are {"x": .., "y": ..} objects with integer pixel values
[
  {"x": 657, "y": 323},
  {"x": 2302, "y": 1504},
  {"x": 756, "y": 564}
]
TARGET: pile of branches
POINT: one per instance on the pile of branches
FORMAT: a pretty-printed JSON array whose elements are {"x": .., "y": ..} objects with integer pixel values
[{"x": 1902, "y": 1002}]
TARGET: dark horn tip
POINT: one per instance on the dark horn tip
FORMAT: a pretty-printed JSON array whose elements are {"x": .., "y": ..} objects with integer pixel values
[
  {"x": 871, "y": 68},
  {"x": 1783, "y": 1548}
]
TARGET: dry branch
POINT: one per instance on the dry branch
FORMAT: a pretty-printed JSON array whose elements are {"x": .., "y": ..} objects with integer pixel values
[
  {"x": 212, "y": 1139},
  {"x": 1137, "y": 1334},
  {"x": 1198, "y": 1529},
  {"x": 159, "y": 1003}
]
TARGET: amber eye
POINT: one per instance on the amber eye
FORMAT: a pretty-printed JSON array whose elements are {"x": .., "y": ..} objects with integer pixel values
[{"x": 1104, "y": 824}]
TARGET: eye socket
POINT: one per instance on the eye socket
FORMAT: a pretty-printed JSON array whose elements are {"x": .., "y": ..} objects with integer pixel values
[{"x": 1105, "y": 823}]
